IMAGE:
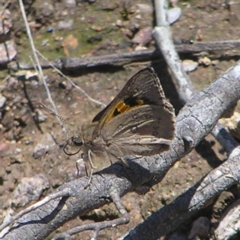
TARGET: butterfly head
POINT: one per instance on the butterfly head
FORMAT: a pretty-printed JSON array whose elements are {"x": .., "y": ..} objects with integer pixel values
[{"x": 73, "y": 145}]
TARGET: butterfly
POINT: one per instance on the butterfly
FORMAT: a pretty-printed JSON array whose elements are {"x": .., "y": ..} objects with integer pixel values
[{"x": 139, "y": 121}]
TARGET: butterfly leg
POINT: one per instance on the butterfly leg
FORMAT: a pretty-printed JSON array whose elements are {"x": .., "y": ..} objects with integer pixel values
[
  {"x": 90, "y": 178},
  {"x": 90, "y": 159},
  {"x": 88, "y": 169}
]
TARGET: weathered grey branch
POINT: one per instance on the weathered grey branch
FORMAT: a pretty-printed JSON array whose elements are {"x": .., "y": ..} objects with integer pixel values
[
  {"x": 73, "y": 64},
  {"x": 185, "y": 88},
  {"x": 193, "y": 200},
  {"x": 194, "y": 122},
  {"x": 170, "y": 217}
]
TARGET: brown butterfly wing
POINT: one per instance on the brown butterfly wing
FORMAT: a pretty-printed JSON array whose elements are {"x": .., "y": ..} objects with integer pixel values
[
  {"x": 145, "y": 130},
  {"x": 143, "y": 88}
]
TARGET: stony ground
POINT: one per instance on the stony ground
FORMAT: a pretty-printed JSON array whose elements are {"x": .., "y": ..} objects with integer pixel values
[{"x": 79, "y": 28}]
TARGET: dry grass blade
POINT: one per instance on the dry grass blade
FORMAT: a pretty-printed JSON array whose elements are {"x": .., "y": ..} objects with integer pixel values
[{"x": 37, "y": 60}]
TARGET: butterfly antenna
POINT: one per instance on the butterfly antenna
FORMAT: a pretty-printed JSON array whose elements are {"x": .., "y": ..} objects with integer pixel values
[
  {"x": 60, "y": 145},
  {"x": 61, "y": 120}
]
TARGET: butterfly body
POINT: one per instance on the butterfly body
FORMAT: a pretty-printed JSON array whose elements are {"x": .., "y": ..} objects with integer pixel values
[{"x": 139, "y": 121}]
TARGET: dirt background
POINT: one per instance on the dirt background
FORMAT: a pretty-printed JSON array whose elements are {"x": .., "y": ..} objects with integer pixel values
[{"x": 96, "y": 29}]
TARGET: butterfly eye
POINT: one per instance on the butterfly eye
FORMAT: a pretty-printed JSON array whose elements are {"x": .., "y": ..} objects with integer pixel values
[{"x": 77, "y": 141}]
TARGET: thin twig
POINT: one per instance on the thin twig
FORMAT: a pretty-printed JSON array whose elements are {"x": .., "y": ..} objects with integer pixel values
[
  {"x": 42, "y": 78},
  {"x": 143, "y": 169},
  {"x": 77, "y": 87},
  {"x": 4, "y": 7},
  {"x": 11, "y": 220},
  {"x": 96, "y": 227}
]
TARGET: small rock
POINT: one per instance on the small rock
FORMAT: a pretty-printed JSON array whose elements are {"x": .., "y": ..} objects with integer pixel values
[
  {"x": 46, "y": 8},
  {"x": 69, "y": 3},
  {"x": 43, "y": 146},
  {"x": 205, "y": 61},
  {"x": 44, "y": 13},
  {"x": 2, "y": 100},
  {"x": 7, "y": 51},
  {"x": 144, "y": 8},
  {"x": 29, "y": 189},
  {"x": 66, "y": 24},
  {"x": 50, "y": 29},
  {"x": 69, "y": 44},
  {"x": 40, "y": 150},
  {"x": 143, "y": 37},
  {"x": 200, "y": 228},
  {"x": 174, "y": 14},
  {"x": 140, "y": 48},
  {"x": 12, "y": 82},
  {"x": 127, "y": 32},
  {"x": 3, "y": 148},
  {"x": 40, "y": 117},
  {"x": 119, "y": 23},
  {"x": 25, "y": 75},
  {"x": 5, "y": 22},
  {"x": 215, "y": 62},
  {"x": 189, "y": 65},
  {"x": 232, "y": 124}
]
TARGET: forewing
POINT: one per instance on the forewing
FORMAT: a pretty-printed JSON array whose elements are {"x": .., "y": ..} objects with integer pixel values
[{"x": 143, "y": 88}]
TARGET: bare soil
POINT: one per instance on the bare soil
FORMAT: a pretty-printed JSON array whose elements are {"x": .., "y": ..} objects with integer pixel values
[{"x": 96, "y": 34}]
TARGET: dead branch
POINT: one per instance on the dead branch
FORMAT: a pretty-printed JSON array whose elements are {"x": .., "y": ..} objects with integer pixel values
[
  {"x": 193, "y": 200},
  {"x": 170, "y": 217},
  {"x": 121, "y": 59},
  {"x": 163, "y": 37},
  {"x": 36, "y": 59},
  {"x": 96, "y": 227},
  {"x": 194, "y": 122}
]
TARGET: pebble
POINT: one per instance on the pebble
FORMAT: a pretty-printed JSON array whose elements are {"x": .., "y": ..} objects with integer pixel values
[
  {"x": 69, "y": 3},
  {"x": 44, "y": 144},
  {"x": 119, "y": 23},
  {"x": 40, "y": 117},
  {"x": 29, "y": 189},
  {"x": 174, "y": 14},
  {"x": 205, "y": 61},
  {"x": 144, "y": 8},
  {"x": 39, "y": 150},
  {"x": 143, "y": 37},
  {"x": 5, "y": 22},
  {"x": 66, "y": 24},
  {"x": 7, "y": 47},
  {"x": 2, "y": 101},
  {"x": 232, "y": 124},
  {"x": 46, "y": 9},
  {"x": 7, "y": 51},
  {"x": 189, "y": 65},
  {"x": 50, "y": 29}
]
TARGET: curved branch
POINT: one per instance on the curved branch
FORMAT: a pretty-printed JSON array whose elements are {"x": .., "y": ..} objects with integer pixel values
[{"x": 194, "y": 121}]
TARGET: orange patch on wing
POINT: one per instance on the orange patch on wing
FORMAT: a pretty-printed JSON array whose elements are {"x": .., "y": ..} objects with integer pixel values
[{"x": 123, "y": 107}]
